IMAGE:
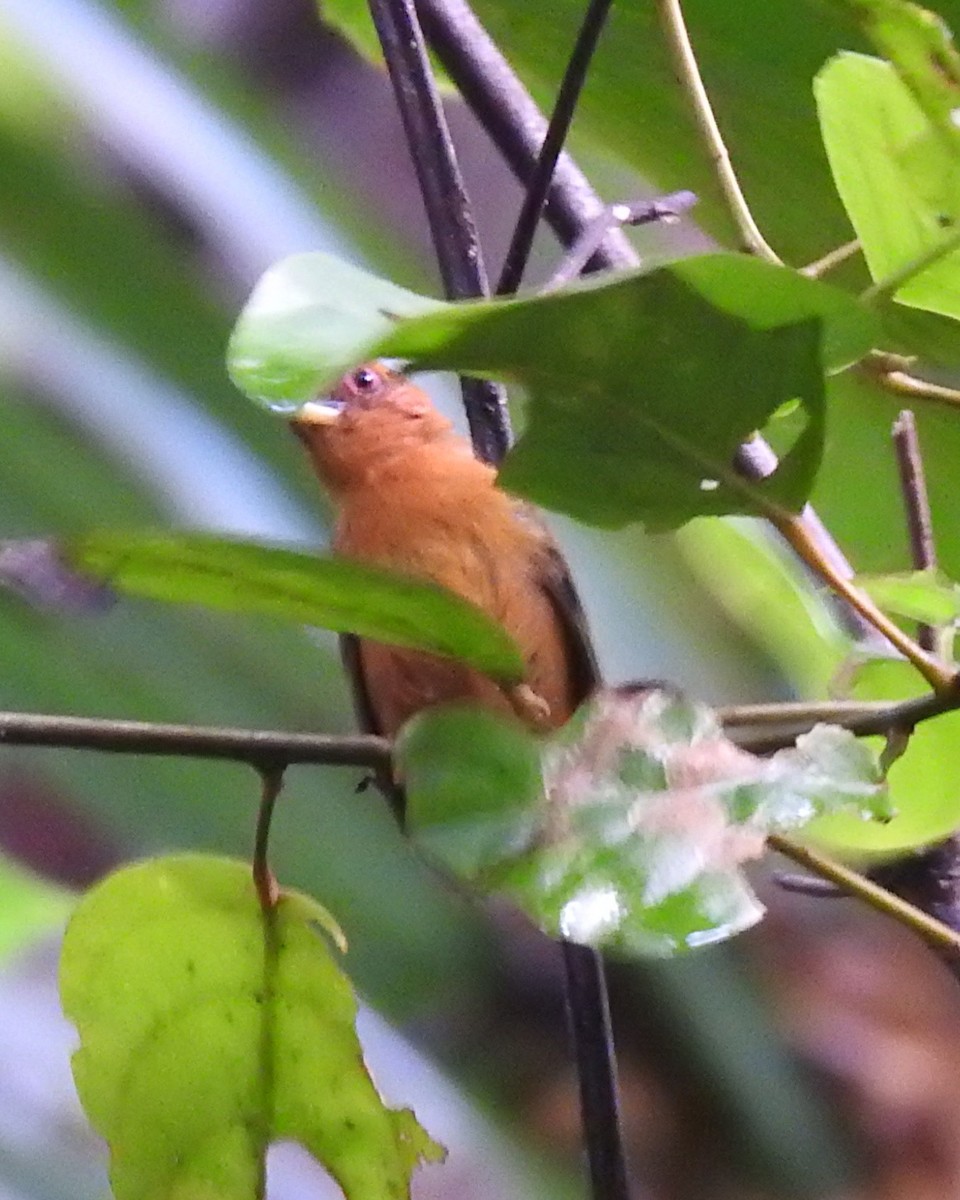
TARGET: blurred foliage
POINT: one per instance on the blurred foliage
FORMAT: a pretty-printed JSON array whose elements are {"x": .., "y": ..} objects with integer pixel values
[{"x": 121, "y": 271}]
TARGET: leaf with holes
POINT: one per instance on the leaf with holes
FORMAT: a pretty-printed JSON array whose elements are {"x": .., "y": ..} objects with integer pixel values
[
  {"x": 629, "y": 828},
  {"x": 208, "y": 1031}
]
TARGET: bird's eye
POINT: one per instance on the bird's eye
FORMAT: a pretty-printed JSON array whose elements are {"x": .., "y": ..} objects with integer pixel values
[{"x": 365, "y": 380}]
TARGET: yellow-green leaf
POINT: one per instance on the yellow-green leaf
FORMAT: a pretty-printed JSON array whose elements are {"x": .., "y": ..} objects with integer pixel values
[{"x": 209, "y": 1030}]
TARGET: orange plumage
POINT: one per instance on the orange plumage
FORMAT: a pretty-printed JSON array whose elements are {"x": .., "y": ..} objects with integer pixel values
[{"x": 410, "y": 496}]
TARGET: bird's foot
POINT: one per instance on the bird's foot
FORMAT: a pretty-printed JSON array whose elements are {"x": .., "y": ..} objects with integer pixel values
[{"x": 530, "y": 706}]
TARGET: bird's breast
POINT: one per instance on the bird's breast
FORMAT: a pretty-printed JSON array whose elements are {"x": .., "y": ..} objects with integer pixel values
[{"x": 479, "y": 546}]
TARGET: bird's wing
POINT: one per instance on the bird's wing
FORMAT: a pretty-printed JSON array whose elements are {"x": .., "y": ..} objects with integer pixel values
[
  {"x": 559, "y": 587},
  {"x": 353, "y": 665},
  {"x": 367, "y": 718}
]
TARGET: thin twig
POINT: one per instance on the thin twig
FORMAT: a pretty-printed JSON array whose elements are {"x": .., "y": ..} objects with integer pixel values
[
  {"x": 265, "y": 748},
  {"x": 831, "y": 260},
  {"x": 800, "y": 712},
  {"x": 916, "y": 501},
  {"x": 264, "y": 879},
  {"x": 640, "y": 212},
  {"x": 901, "y": 383},
  {"x": 870, "y": 721},
  {"x": 940, "y": 676},
  {"x": 444, "y": 196},
  {"x": 432, "y": 150},
  {"x": 261, "y": 748},
  {"x": 688, "y": 76},
  {"x": 930, "y": 877},
  {"x": 538, "y": 185},
  {"x": 940, "y": 936},
  {"x": 588, "y": 1011}
]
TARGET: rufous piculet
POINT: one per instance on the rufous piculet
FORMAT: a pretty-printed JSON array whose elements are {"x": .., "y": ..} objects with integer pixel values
[{"x": 411, "y": 496}]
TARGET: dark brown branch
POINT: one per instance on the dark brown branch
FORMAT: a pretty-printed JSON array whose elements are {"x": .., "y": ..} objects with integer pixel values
[
  {"x": 916, "y": 501},
  {"x": 588, "y": 1012},
  {"x": 929, "y": 879},
  {"x": 445, "y": 200},
  {"x": 261, "y": 748},
  {"x": 895, "y": 718},
  {"x": 265, "y": 748},
  {"x": 263, "y": 877},
  {"x": 538, "y": 185}
]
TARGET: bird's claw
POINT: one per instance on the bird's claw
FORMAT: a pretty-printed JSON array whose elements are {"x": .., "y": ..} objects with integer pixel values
[{"x": 530, "y": 706}]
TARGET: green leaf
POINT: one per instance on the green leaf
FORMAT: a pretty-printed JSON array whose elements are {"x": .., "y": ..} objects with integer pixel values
[
  {"x": 649, "y": 381},
  {"x": 924, "y": 784},
  {"x": 920, "y": 47},
  {"x": 926, "y": 596},
  {"x": 209, "y": 1030},
  {"x": 308, "y": 320},
  {"x": 330, "y": 592},
  {"x": 630, "y": 832},
  {"x": 491, "y": 766},
  {"x": 898, "y": 180},
  {"x": 766, "y": 592}
]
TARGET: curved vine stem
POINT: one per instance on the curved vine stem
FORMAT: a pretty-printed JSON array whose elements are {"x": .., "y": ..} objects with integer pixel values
[
  {"x": 941, "y": 677},
  {"x": 688, "y": 75},
  {"x": 938, "y": 935}
]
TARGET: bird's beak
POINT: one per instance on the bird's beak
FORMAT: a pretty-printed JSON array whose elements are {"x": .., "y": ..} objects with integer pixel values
[{"x": 318, "y": 412}]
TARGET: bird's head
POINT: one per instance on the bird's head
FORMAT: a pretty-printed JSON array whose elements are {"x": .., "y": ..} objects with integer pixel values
[{"x": 371, "y": 416}]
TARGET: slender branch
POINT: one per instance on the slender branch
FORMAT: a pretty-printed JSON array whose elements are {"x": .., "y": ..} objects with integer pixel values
[
  {"x": 403, "y": 47},
  {"x": 940, "y": 936},
  {"x": 929, "y": 878},
  {"x": 913, "y": 485},
  {"x": 588, "y": 1012},
  {"x": 640, "y": 212},
  {"x": 901, "y": 383},
  {"x": 538, "y": 185},
  {"x": 444, "y": 197},
  {"x": 266, "y": 748},
  {"x": 261, "y": 748},
  {"x": 940, "y": 676},
  {"x": 515, "y": 124},
  {"x": 688, "y": 76},
  {"x": 799, "y": 712},
  {"x": 263, "y": 877},
  {"x": 863, "y": 720},
  {"x": 832, "y": 259}
]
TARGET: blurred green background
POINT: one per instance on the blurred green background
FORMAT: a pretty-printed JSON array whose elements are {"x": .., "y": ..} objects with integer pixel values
[{"x": 155, "y": 157}]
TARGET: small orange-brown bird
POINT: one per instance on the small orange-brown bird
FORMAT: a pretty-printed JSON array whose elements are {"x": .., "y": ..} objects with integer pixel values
[{"x": 412, "y": 497}]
